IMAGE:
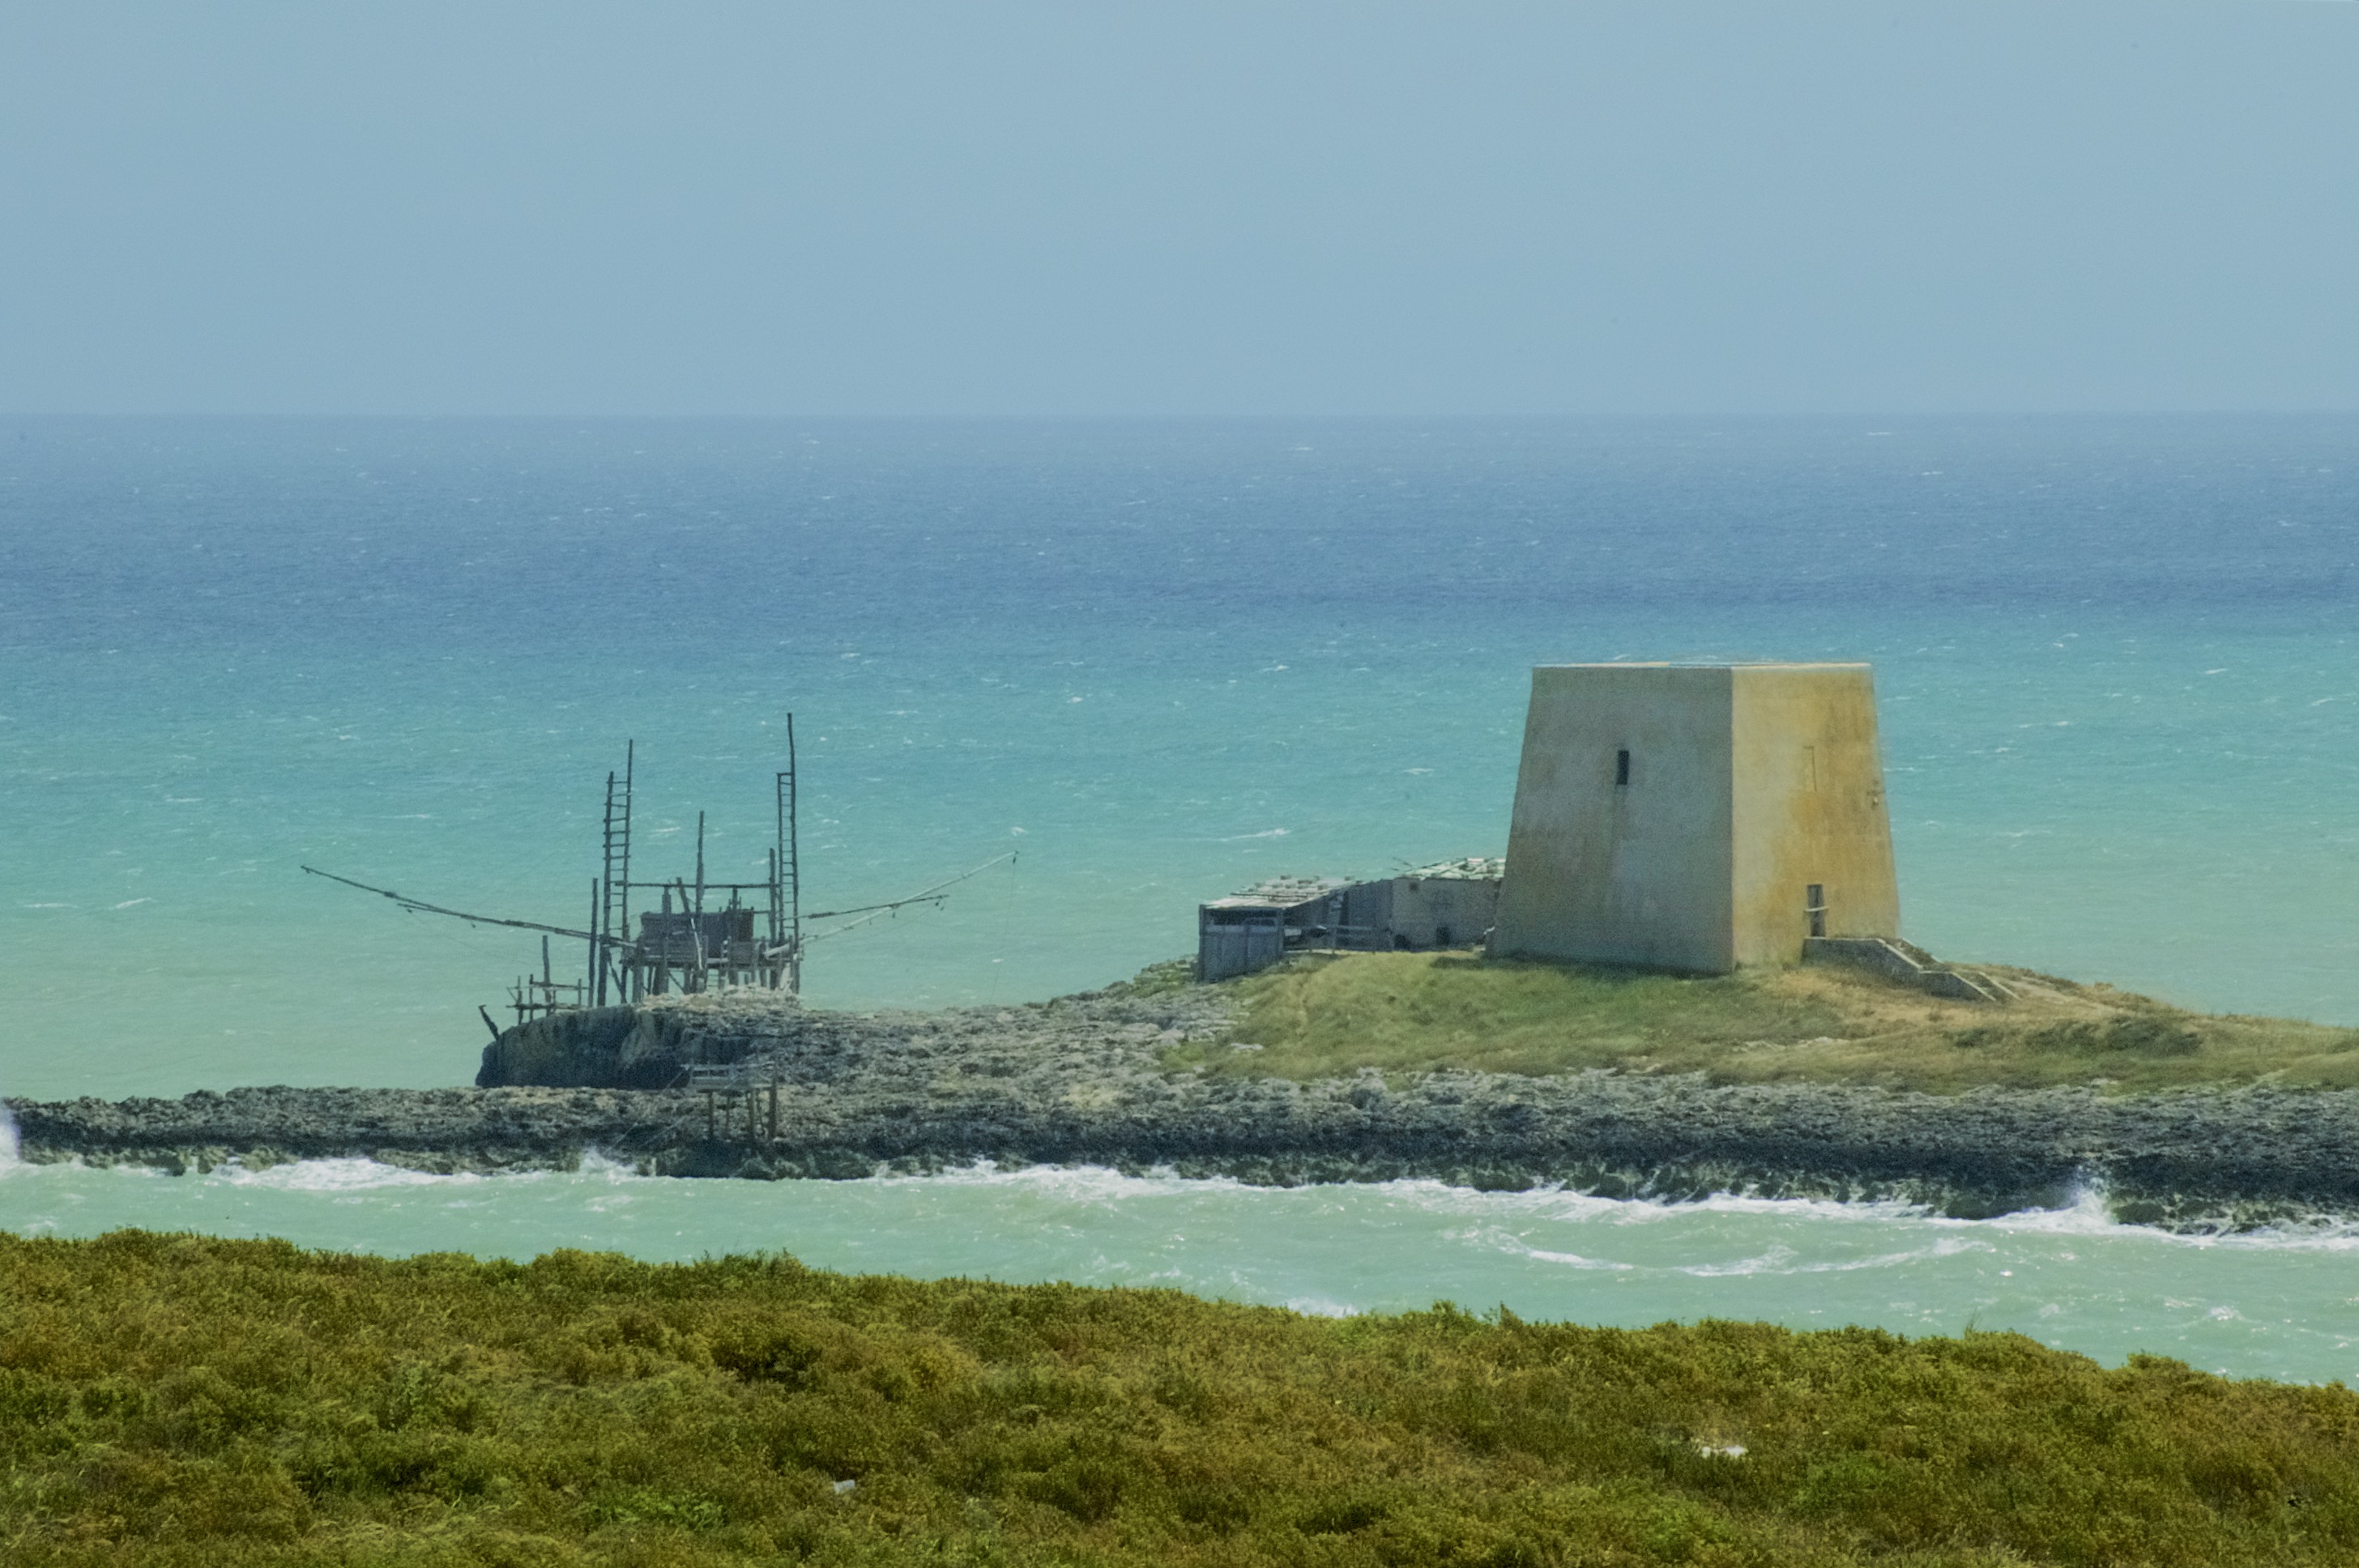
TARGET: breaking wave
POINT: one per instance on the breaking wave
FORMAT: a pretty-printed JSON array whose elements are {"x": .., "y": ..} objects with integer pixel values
[{"x": 2255, "y": 1301}]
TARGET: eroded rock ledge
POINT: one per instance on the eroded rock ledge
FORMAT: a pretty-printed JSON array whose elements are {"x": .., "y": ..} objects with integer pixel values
[{"x": 1078, "y": 1082}]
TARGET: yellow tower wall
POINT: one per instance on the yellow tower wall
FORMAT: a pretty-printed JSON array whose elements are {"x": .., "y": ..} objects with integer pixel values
[
  {"x": 1809, "y": 808},
  {"x": 1747, "y": 783}
]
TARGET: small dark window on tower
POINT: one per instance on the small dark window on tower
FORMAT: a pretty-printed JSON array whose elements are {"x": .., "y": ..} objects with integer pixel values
[
  {"x": 1814, "y": 904},
  {"x": 1621, "y": 768}
]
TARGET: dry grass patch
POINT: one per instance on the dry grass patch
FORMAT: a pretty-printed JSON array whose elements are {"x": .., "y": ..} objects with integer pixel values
[{"x": 1411, "y": 1012}]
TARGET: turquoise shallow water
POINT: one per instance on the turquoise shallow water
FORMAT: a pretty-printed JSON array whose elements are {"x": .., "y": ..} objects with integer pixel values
[
  {"x": 2275, "y": 1305},
  {"x": 2115, "y": 661},
  {"x": 2120, "y": 703}
]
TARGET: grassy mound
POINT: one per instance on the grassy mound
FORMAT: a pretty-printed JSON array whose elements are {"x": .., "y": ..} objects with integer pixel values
[
  {"x": 176, "y": 1399},
  {"x": 1406, "y": 1012}
]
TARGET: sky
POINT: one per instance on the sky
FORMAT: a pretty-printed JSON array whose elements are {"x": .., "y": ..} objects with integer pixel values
[{"x": 504, "y": 207}]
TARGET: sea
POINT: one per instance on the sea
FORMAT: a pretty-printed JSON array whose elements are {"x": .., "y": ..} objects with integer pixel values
[{"x": 1151, "y": 661}]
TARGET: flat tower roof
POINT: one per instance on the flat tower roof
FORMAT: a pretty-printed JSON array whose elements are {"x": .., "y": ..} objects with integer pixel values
[{"x": 1715, "y": 665}]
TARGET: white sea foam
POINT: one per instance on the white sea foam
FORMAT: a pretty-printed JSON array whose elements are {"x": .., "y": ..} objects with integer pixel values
[
  {"x": 348, "y": 1175},
  {"x": 1772, "y": 1261},
  {"x": 2317, "y": 1235},
  {"x": 1084, "y": 1184},
  {"x": 2086, "y": 1215},
  {"x": 8, "y": 1146},
  {"x": 1102, "y": 1183},
  {"x": 1571, "y": 1259},
  {"x": 1567, "y": 1204},
  {"x": 1948, "y": 1247}
]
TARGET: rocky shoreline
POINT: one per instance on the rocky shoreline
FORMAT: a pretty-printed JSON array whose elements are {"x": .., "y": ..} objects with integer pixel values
[{"x": 1079, "y": 1081}]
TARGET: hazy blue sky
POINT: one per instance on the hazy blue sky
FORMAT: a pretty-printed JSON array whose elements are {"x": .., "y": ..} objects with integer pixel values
[{"x": 1020, "y": 208}]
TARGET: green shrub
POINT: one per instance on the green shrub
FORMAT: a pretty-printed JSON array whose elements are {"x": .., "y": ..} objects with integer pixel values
[{"x": 180, "y": 1401}]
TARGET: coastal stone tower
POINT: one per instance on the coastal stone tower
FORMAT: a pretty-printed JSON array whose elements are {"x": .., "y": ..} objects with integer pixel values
[{"x": 1697, "y": 816}]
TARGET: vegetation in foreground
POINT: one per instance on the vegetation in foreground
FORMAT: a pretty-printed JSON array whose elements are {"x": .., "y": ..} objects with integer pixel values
[
  {"x": 1409, "y": 1012},
  {"x": 178, "y": 1400}
]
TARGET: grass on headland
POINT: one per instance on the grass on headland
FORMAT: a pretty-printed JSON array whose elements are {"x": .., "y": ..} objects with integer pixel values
[
  {"x": 186, "y": 1401},
  {"x": 1410, "y": 1012}
]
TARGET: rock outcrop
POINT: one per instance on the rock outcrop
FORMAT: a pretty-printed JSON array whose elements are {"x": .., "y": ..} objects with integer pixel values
[{"x": 1082, "y": 1081}]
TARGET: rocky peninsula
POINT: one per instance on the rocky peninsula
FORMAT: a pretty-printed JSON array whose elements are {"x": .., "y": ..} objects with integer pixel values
[{"x": 752, "y": 1086}]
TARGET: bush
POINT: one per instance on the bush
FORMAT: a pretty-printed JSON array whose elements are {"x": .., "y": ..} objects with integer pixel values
[{"x": 176, "y": 1399}]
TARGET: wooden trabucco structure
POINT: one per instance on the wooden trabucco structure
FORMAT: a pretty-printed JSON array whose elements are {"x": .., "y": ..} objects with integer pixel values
[
  {"x": 534, "y": 995},
  {"x": 702, "y": 935}
]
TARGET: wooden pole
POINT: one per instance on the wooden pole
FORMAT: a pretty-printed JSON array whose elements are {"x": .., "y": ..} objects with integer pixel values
[
  {"x": 606, "y": 879},
  {"x": 630, "y": 759},
  {"x": 604, "y": 892},
  {"x": 794, "y": 871}
]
